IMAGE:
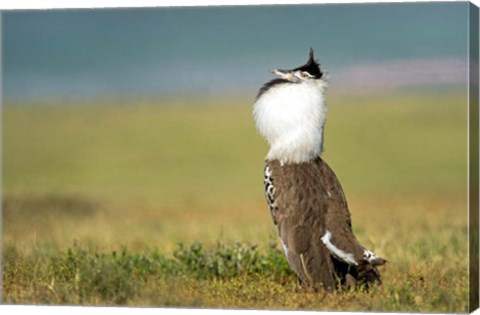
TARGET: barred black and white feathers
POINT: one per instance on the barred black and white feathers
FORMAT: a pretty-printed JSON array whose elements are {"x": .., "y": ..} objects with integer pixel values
[{"x": 305, "y": 198}]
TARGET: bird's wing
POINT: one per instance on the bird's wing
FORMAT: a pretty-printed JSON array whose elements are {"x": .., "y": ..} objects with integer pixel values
[
  {"x": 339, "y": 236},
  {"x": 338, "y": 222},
  {"x": 298, "y": 208}
]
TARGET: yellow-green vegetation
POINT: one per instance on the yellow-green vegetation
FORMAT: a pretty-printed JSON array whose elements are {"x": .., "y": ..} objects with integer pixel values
[{"x": 162, "y": 204}]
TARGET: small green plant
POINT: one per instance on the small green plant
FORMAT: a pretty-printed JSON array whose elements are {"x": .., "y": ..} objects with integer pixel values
[{"x": 227, "y": 261}]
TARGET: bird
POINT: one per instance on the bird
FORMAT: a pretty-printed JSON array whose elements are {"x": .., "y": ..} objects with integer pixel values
[{"x": 304, "y": 196}]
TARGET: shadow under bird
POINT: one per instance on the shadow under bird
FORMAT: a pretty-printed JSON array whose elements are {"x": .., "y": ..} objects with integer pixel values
[{"x": 305, "y": 198}]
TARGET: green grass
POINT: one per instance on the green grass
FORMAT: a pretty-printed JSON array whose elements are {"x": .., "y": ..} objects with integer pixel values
[
  {"x": 96, "y": 199},
  {"x": 235, "y": 275},
  {"x": 83, "y": 276}
]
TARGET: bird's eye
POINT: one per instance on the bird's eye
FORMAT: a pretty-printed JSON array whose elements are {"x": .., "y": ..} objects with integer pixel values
[{"x": 305, "y": 75}]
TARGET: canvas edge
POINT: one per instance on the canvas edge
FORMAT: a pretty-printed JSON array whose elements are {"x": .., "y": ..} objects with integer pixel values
[
  {"x": 1, "y": 155},
  {"x": 473, "y": 123}
]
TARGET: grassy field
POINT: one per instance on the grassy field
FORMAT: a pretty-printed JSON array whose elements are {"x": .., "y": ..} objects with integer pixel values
[{"x": 162, "y": 204}]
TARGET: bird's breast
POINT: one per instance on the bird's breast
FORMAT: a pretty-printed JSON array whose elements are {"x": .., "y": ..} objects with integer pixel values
[{"x": 291, "y": 118}]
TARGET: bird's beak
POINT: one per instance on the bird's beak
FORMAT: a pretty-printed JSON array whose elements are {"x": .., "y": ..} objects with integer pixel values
[
  {"x": 285, "y": 74},
  {"x": 280, "y": 73}
]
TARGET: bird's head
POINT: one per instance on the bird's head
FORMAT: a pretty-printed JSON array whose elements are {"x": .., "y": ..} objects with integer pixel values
[
  {"x": 290, "y": 112},
  {"x": 307, "y": 72}
]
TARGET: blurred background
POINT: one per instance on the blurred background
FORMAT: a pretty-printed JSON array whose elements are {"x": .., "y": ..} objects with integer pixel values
[
  {"x": 151, "y": 53},
  {"x": 133, "y": 126}
]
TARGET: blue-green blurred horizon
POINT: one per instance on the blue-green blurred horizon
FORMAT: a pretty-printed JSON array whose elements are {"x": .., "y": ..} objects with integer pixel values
[{"x": 157, "y": 52}]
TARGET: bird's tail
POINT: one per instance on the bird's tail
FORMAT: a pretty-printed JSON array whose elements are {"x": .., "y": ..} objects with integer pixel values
[
  {"x": 366, "y": 270},
  {"x": 363, "y": 274},
  {"x": 366, "y": 273}
]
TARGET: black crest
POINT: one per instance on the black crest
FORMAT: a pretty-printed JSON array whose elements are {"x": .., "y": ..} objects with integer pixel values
[{"x": 312, "y": 66}]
